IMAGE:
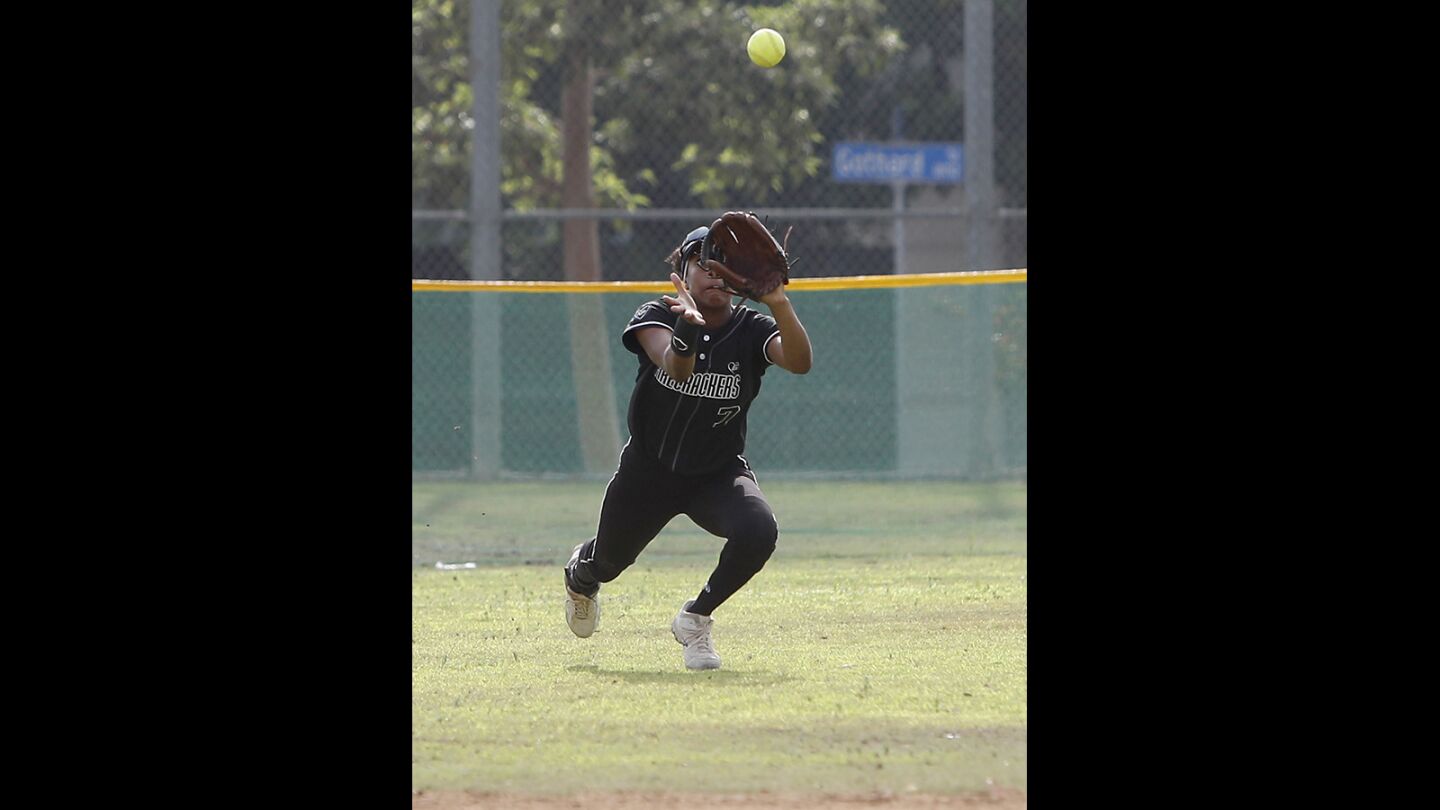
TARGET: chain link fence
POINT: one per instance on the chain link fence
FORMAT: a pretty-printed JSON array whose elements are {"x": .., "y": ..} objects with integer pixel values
[
  {"x": 892, "y": 137},
  {"x": 907, "y": 383}
]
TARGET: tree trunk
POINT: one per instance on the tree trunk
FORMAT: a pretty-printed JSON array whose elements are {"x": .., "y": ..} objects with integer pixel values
[{"x": 590, "y": 336}]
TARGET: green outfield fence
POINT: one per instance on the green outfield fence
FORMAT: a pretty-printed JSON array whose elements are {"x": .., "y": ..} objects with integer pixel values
[{"x": 912, "y": 378}]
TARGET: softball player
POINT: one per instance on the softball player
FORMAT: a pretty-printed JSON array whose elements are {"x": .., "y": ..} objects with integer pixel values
[{"x": 702, "y": 360}]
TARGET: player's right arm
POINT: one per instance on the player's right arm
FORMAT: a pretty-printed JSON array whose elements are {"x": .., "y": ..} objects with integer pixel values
[
  {"x": 657, "y": 346},
  {"x": 660, "y": 344}
]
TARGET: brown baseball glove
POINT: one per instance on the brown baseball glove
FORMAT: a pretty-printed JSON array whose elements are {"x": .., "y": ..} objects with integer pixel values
[{"x": 743, "y": 252}]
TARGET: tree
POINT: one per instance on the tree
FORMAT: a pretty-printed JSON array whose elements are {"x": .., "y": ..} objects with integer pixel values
[
  {"x": 440, "y": 102},
  {"x": 660, "y": 72},
  {"x": 729, "y": 131}
]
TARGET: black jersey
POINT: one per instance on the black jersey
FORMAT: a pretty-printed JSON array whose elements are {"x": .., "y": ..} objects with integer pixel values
[{"x": 698, "y": 426}]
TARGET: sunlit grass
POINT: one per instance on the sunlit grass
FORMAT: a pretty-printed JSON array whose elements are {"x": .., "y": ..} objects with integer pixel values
[{"x": 882, "y": 648}]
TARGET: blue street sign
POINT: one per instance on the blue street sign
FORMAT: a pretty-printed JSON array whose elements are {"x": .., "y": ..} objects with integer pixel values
[{"x": 936, "y": 163}]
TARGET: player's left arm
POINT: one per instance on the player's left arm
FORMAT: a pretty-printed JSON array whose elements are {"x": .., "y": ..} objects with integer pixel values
[{"x": 790, "y": 349}]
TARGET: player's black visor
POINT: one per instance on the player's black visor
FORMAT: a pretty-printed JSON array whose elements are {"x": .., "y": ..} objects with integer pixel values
[{"x": 692, "y": 243}]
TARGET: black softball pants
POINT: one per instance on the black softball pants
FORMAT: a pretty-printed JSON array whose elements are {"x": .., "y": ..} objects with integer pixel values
[{"x": 643, "y": 497}]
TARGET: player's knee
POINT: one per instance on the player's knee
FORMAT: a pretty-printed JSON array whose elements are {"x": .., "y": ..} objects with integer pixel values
[{"x": 756, "y": 536}]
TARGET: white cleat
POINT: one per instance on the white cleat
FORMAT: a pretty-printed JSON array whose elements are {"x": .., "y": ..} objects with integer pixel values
[
  {"x": 693, "y": 632},
  {"x": 582, "y": 612}
]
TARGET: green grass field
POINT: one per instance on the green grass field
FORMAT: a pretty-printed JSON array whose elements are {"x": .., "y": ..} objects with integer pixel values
[{"x": 883, "y": 648}]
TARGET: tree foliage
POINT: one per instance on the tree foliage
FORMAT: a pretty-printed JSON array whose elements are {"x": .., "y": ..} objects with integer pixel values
[
  {"x": 681, "y": 116},
  {"x": 440, "y": 101},
  {"x": 719, "y": 128}
]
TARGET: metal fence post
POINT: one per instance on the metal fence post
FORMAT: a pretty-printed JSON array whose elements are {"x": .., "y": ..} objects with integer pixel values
[
  {"x": 485, "y": 238},
  {"x": 980, "y": 253}
]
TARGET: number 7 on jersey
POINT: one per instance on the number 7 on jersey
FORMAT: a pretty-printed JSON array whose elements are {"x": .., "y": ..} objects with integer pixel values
[{"x": 726, "y": 414}]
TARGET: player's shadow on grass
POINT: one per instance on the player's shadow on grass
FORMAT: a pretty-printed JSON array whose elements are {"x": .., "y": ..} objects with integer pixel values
[{"x": 718, "y": 677}]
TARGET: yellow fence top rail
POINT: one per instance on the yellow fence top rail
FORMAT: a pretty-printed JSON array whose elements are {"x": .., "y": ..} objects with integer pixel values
[{"x": 832, "y": 283}]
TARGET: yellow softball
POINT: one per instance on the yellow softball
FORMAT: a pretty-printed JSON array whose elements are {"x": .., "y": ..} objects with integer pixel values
[{"x": 766, "y": 47}]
